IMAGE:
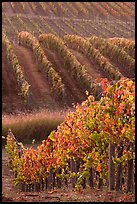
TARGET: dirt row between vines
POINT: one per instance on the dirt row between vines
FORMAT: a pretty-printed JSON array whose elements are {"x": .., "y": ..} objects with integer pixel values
[
  {"x": 41, "y": 91},
  {"x": 11, "y": 101}
]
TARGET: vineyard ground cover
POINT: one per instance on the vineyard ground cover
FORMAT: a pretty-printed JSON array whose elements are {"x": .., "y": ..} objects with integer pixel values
[{"x": 11, "y": 194}]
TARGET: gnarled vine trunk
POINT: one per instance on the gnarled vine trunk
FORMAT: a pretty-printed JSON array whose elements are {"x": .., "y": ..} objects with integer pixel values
[
  {"x": 119, "y": 168},
  {"x": 130, "y": 172},
  {"x": 111, "y": 167}
]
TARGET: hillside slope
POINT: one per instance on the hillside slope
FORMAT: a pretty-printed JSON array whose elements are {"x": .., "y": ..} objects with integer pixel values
[
  {"x": 41, "y": 95},
  {"x": 105, "y": 19}
]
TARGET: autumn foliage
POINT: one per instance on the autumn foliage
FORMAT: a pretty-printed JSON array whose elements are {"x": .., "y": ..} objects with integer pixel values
[{"x": 84, "y": 137}]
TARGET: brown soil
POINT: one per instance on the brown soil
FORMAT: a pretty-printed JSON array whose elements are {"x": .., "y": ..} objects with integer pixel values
[
  {"x": 11, "y": 193},
  {"x": 91, "y": 67},
  {"x": 41, "y": 91},
  {"x": 11, "y": 101}
]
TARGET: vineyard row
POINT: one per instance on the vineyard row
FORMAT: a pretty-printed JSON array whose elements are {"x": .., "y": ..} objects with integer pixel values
[
  {"x": 96, "y": 143},
  {"x": 96, "y": 49},
  {"x": 87, "y": 9},
  {"x": 61, "y": 27},
  {"x": 13, "y": 61}
]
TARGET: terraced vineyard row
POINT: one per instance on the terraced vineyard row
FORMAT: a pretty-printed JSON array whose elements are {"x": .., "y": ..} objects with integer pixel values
[
  {"x": 73, "y": 9},
  {"x": 109, "y": 27},
  {"x": 29, "y": 41},
  {"x": 71, "y": 64},
  {"x": 92, "y": 53},
  {"x": 13, "y": 61}
]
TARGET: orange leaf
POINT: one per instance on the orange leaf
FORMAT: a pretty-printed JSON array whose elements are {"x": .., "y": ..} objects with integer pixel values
[{"x": 98, "y": 167}]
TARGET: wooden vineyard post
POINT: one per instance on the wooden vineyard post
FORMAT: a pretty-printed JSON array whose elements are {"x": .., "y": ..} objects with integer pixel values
[
  {"x": 130, "y": 175},
  {"x": 58, "y": 179},
  {"x": 45, "y": 181},
  {"x": 27, "y": 188},
  {"x": 51, "y": 180},
  {"x": 83, "y": 183},
  {"x": 111, "y": 167},
  {"x": 91, "y": 184},
  {"x": 65, "y": 181},
  {"x": 100, "y": 182},
  {"x": 36, "y": 187},
  {"x": 130, "y": 172},
  {"x": 54, "y": 179},
  {"x": 73, "y": 168},
  {"x": 32, "y": 187},
  {"x": 22, "y": 186},
  {"x": 42, "y": 185},
  {"x": 119, "y": 169}
]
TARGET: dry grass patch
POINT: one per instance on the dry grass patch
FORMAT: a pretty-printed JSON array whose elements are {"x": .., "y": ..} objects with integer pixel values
[{"x": 35, "y": 125}]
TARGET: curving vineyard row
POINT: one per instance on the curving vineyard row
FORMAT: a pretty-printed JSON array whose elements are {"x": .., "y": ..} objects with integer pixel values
[
  {"x": 28, "y": 40},
  {"x": 13, "y": 61},
  {"x": 82, "y": 45},
  {"x": 125, "y": 44},
  {"x": 73, "y": 9},
  {"x": 77, "y": 70},
  {"x": 113, "y": 52},
  {"x": 79, "y": 150}
]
